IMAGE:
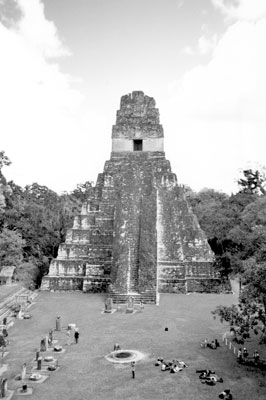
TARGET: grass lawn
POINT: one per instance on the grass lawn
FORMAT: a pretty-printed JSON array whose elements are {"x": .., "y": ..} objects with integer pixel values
[{"x": 85, "y": 373}]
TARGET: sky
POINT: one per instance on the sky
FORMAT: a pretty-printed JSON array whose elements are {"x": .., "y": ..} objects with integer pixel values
[{"x": 65, "y": 65}]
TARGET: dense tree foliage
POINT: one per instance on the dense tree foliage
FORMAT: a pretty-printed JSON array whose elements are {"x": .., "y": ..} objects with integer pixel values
[
  {"x": 234, "y": 226},
  {"x": 250, "y": 314},
  {"x": 236, "y": 230},
  {"x": 252, "y": 182},
  {"x": 33, "y": 222},
  {"x": 11, "y": 247}
]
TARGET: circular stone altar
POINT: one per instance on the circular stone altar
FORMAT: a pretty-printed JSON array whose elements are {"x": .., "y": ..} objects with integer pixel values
[{"x": 124, "y": 356}]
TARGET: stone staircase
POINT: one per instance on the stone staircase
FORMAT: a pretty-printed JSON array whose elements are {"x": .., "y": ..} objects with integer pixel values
[
  {"x": 7, "y": 303},
  {"x": 134, "y": 257},
  {"x": 122, "y": 298}
]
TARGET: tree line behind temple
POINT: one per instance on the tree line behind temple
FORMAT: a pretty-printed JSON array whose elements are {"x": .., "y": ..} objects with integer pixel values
[{"x": 34, "y": 221}]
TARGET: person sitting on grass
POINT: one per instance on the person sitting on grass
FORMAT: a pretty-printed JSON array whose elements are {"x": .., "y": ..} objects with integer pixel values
[
  {"x": 205, "y": 343},
  {"x": 158, "y": 362},
  {"x": 212, "y": 379},
  {"x": 165, "y": 366},
  {"x": 226, "y": 395},
  {"x": 175, "y": 367},
  {"x": 212, "y": 345},
  {"x": 182, "y": 364},
  {"x": 204, "y": 373}
]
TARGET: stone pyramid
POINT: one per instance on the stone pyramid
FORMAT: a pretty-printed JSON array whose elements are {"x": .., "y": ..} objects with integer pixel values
[{"x": 136, "y": 234}]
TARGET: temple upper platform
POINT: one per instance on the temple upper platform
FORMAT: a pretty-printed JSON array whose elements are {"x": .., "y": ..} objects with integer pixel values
[{"x": 137, "y": 125}]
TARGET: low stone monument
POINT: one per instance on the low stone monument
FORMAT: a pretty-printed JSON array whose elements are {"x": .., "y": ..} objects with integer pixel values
[
  {"x": 35, "y": 377},
  {"x": 58, "y": 348},
  {"x": 24, "y": 388},
  {"x": 3, "y": 388},
  {"x": 108, "y": 305},
  {"x": 50, "y": 337},
  {"x": 39, "y": 363},
  {"x": 58, "y": 323},
  {"x": 130, "y": 305},
  {"x": 49, "y": 359},
  {"x": 2, "y": 341}
]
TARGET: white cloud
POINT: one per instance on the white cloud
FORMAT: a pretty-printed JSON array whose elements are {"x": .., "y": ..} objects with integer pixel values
[
  {"x": 188, "y": 50},
  {"x": 204, "y": 46},
  {"x": 251, "y": 10},
  {"x": 180, "y": 3},
  {"x": 37, "y": 100},
  {"x": 220, "y": 106},
  {"x": 233, "y": 83},
  {"x": 37, "y": 31}
]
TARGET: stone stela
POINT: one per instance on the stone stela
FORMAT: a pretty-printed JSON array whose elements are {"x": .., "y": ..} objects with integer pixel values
[
  {"x": 130, "y": 305},
  {"x": 23, "y": 371},
  {"x": 108, "y": 305},
  {"x": 44, "y": 344},
  {"x": 136, "y": 234},
  {"x": 3, "y": 388},
  {"x": 58, "y": 326}
]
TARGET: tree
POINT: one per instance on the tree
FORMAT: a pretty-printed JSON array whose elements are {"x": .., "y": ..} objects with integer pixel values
[
  {"x": 11, "y": 247},
  {"x": 82, "y": 191},
  {"x": 28, "y": 273},
  {"x": 4, "y": 160},
  {"x": 250, "y": 314},
  {"x": 253, "y": 182}
]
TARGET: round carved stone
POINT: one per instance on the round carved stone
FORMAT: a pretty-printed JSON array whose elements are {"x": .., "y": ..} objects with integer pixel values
[
  {"x": 35, "y": 377},
  {"x": 124, "y": 356},
  {"x": 48, "y": 359}
]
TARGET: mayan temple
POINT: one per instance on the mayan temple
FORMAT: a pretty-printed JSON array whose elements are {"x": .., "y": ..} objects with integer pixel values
[{"x": 136, "y": 234}]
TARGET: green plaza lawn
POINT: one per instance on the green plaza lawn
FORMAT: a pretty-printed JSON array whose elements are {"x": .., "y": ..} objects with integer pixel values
[{"x": 85, "y": 373}]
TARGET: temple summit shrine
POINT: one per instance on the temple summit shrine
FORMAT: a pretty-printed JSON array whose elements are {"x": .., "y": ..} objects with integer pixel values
[{"x": 136, "y": 233}]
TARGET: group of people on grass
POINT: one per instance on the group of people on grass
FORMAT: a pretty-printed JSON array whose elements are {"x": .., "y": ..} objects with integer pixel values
[
  {"x": 209, "y": 377},
  {"x": 243, "y": 356},
  {"x": 206, "y": 376},
  {"x": 211, "y": 344},
  {"x": 172, "y": 366}
]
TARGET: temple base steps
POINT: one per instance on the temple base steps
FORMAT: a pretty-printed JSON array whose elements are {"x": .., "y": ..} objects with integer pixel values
[{"x": 121, "y": 297}]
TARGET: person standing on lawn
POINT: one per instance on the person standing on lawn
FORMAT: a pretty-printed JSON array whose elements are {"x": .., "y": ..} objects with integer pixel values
[
  {"x": 133, "y": 365},
  {"x": 76, "y": 336}
]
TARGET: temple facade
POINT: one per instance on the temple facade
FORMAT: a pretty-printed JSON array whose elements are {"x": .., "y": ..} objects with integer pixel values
[{"x": 136, "y": 234}]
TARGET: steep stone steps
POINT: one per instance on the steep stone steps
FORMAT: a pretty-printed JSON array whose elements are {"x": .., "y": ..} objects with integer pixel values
[
  {"x": 120, "y": 298},
  {"x": 148, "y": 297}
]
